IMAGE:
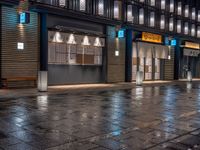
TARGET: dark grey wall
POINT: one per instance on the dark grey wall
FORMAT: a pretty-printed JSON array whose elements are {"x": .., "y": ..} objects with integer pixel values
[{"x": 74, "y": 74}]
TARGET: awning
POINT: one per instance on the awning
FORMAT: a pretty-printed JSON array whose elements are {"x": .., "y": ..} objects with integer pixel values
[
  {"x": 153, "y": 50},
  {"x": 191, "y": 52}
]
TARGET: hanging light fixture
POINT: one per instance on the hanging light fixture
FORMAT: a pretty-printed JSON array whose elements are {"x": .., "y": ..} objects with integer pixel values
[
  {"x": 57, "y": 37},
  {"x": 71, "y": 39},
  {"x": 86, "y": 41},
  {"x": 97, "y": 42}
]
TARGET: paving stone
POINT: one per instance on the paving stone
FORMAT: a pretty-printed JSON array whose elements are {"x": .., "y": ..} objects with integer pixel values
[{"x": 147, "y": 117}]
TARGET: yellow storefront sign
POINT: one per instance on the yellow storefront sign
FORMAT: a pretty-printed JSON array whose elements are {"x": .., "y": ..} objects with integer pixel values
[
  {"x": 192, "y": 45},
  {"x": 150, "y": 37}
]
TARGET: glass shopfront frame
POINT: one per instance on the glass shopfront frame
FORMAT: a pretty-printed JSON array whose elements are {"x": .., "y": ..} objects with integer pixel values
[{"x": 149, "y": 58}]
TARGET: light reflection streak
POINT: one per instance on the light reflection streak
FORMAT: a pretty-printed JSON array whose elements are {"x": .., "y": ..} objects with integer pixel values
[{"x": 42, "y": 102}]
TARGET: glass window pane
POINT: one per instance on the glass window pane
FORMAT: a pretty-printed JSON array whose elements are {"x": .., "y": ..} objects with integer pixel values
[
  {"x": 186, "y": 26},
  {"x": 162, "y": 22},
  {"x": 186, "y": 10},
  {"x": 101, "y": 7},
  {"x": 141, "y": 16},
  {"x": 163, "y": 3},
  {"x": 179, "y": 12},
  {"x": 152, "y": 19},
  {"x": 82, "y": 5},
  {"x": 179, "y": 26},
  {"x": 129, "y": 13},
  {"x": 171, "y": 24}
]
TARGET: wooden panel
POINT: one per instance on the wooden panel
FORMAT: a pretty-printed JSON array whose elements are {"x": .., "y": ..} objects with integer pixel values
[
  {"x": 89, "y": 59},
  {"x": 17, "y": 63}
]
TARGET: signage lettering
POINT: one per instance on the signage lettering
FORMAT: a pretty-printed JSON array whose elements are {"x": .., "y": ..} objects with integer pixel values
[{"x": 150, "y": 37}]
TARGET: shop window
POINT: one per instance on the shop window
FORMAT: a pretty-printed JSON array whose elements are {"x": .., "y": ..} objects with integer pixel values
[
  {"x": 152, "y": 19},
  {"x": 163, "y": 4},
  {"x": 186, "y": 28},
  {"x": 193, "y": 13},
  {"x": 193, "y": 30},
  {"x": 162, "y": 22},
  {"x": 117, "y": 9},
  {"x": 70, "y": 49},
  {"x": 129, "y": 13},
  {"x": 179, "y": 11},
  {"x": 198, "y": 31},
  {"x": 171, "y": 24},
  {"x": 101, "y": 7},
  {"x": 179, "y": 26},
  {"x": 171, "y": 6},
  {"x": 141, "y": 16},
  {"x": 186, "y": 10}
]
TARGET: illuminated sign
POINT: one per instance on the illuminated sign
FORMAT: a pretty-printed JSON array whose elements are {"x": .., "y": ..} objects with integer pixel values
[
  {"x": 173, "y": 42},
  {"x": 192, "y": 45},
  {"x": 150, "y": 37},
  {"x": 121, "y": 34},
  {"x": 24, "y": 18},
  {"x": 20, "y": 46}
]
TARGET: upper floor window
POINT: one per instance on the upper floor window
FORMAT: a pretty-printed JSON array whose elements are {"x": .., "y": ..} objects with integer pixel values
[
  {"x": 141, "y": 16},
  {"x": 179, "y": 24},
  {"x": 129, "y": 13},
  {"x": 62, "y": 3},
  {"x": 117, "y": 9},
  {"x": 162, "y": 22},
  {"x": 152, "y": 19},
  {"x": 82, "y": 5},
  {"x": 101, "y": 7},
  {"x": 193, "y": 30},
  {"x": 186, "y": 28},
  {"x": 142, "y": 1},
  {"x": 186, "y": 10},
  {"x": 163, "y": 4},
  {"x": 171, "y": 24},
  {"x": 193, "y": 13},
  {"x": 171, "y": 6},
  {"x": 198, "y": 31},
  {"x": 179, "y": 11},
  {"x": 152, "y": 2},
  {"x": 198, "y": 16}
]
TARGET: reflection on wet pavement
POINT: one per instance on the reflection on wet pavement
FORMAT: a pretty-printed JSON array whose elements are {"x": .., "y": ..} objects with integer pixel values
[{"x": 157, "y": 117}]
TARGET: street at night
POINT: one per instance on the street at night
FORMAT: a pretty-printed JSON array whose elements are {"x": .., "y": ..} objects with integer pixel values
[{"x": 153, "y": 117}]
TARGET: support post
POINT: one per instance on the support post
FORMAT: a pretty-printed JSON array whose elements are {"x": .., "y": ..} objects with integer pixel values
[{"x": 42, "y": 74}]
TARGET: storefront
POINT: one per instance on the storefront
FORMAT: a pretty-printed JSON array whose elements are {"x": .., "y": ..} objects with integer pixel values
[
  {"x": 76, "y": 52},
  {"x": 190, "y": 60},
  {"x": 148, "y": 56}
]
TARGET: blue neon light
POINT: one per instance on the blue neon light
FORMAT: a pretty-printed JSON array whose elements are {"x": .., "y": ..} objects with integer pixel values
[
  {"x": 22, "y": 17},
  {"x": 121, "y": 34},
  {"x": 173, "y": 42}
]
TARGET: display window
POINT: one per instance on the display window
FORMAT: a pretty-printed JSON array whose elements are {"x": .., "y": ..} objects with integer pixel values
[{"x": 74, "y": 49}]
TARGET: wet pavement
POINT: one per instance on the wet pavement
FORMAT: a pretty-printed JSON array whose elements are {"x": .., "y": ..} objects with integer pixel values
[{"x": 152, "y": 117}]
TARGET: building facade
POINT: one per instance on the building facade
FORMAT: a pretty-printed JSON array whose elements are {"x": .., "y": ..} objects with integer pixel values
[{"x": 99, "y": 41}]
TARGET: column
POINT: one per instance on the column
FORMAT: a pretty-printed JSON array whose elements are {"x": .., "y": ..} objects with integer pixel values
[
  {"x": 177, "y": 57},
  {"x": 128, "y": 60},
  {"x": 42, "y": 75}
]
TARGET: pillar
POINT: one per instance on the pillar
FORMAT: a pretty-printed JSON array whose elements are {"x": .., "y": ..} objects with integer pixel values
[{"x": 42, "y": 75}]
